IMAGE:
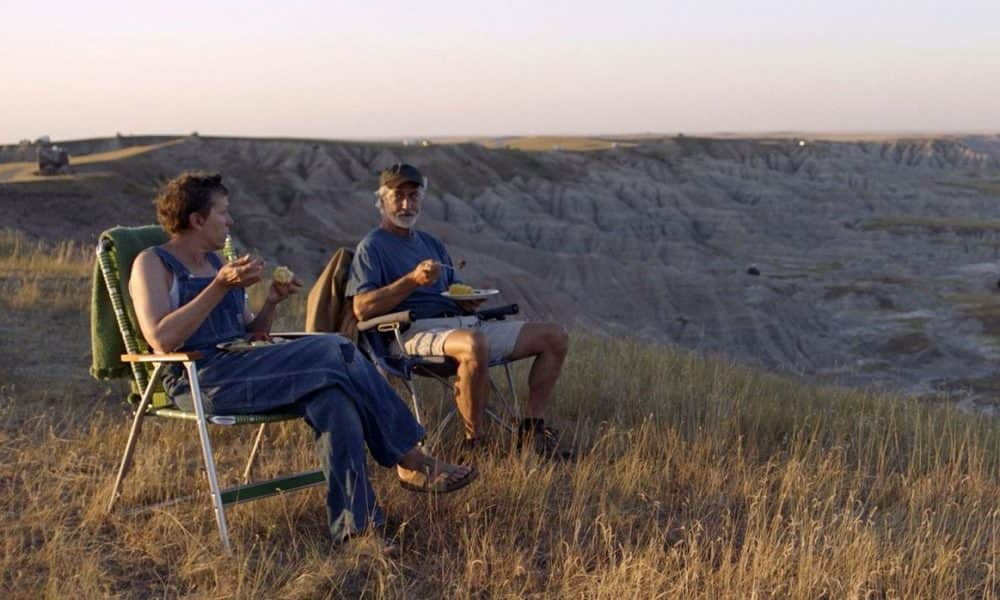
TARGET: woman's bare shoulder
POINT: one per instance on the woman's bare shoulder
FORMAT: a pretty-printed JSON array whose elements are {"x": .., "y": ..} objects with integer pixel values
[
  {"x": 146, "y": 259},
  {"x": 148, "y": 265}
]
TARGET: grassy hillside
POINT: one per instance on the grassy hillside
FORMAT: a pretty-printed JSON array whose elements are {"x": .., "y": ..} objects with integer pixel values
[{"x": 698, "y": 478}]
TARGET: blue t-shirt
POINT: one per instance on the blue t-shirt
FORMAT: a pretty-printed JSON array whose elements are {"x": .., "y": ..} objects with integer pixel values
[{"x": 383, "y": 257}]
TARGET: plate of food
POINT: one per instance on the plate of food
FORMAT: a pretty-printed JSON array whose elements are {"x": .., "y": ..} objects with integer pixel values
[
  {"x": 460, "y": 291},
  {"x": 243, "y": 345}
]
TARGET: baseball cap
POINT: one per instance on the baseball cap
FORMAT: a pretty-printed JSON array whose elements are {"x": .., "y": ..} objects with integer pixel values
[{"x": 399, "y": 173}]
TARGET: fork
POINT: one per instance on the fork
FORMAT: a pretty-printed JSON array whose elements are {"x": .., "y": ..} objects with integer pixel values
[{"x": 461, "y": 263}]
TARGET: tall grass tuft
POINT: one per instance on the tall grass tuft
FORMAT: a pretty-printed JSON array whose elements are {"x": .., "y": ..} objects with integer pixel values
[
  {"x": 43, "y": 276},
  {"x": 42, "y": 259}
]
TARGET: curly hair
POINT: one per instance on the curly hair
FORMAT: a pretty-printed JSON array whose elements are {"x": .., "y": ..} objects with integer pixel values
[{"x": 184, "y": 195}]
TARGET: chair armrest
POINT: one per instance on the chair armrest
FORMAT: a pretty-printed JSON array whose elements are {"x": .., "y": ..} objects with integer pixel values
[
  {"x": 172, "y": 357},
  {"x": 403, "y": 316},
  {"x": 498, "y": 313}
]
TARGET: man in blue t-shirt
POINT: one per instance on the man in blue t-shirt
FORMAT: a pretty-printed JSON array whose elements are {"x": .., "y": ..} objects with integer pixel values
[{"x": 396, "y": 267}]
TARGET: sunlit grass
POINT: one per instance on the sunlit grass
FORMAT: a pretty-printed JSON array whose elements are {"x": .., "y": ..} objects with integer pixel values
[
  {"x": 42, "y": 275},
  {"x": 697, "y": 478},
  {"x": 19, "y": 255}
]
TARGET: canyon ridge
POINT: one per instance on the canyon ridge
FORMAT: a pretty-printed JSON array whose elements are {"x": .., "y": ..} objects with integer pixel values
[{"x": 869, "y": 262}]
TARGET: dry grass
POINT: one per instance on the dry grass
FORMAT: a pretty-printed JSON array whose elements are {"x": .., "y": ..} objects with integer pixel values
[
  {"x": 698, "y": 478},
  {"x": 39, "y": 274}
]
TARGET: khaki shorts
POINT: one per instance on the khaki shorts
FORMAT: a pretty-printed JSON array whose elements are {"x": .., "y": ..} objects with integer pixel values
[{"x": 426, "y": 337}]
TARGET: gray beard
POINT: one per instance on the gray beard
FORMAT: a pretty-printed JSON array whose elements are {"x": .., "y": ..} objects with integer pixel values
[{"x": 404, "y": 222}]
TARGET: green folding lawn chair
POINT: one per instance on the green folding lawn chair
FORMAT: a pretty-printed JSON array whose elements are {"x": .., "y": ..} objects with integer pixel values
[{"x": 120, "y": 351}]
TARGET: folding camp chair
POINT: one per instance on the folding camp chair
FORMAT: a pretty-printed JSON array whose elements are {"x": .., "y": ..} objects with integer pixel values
[
  {"x": 377, "y": 333},
  {"x": 118, "y": 247},
  {"x": 329, "y": 310}
]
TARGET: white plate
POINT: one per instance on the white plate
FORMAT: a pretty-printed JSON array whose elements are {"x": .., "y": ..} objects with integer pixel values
[
  {"x": 477, "y": 294},
  {"x": 244, "y": 345}
]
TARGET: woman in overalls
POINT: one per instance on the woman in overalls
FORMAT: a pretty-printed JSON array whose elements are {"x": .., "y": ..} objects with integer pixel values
[{"x": 186, "y": 299}]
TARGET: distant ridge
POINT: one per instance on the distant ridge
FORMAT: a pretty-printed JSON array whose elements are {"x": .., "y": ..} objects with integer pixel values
[{"x": 877, "y": 260}]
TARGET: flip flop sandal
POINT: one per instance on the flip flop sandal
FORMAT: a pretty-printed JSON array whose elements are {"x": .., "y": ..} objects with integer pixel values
[{"x": 440, "y": 484}]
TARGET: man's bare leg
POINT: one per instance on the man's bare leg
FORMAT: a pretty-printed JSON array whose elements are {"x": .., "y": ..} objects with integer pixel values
[
  {"x": 471, "y": 350},
  {"x": 550, "y": 344}
]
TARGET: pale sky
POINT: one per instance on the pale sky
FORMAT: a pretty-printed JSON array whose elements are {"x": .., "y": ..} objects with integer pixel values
[{"x": 391, "y": 68}]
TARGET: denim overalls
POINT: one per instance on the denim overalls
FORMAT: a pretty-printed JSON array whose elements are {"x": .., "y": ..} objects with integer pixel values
[{"x": 321, "y": 377}]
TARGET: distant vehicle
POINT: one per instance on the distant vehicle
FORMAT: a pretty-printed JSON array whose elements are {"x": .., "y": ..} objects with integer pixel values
[{"x": 52, "y": 160}]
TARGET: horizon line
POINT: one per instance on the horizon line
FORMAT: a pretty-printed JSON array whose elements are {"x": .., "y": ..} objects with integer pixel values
[{"x": 459, "y": 138}]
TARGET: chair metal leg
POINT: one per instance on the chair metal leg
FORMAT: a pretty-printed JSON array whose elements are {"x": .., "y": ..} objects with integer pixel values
[
  {"x": 508, "y": 419},
  {"x": 444, "y": 423},
  {"x": 206, "y": 448},
  {"x": 501, "y": 401},
  {"x": 253, "y": 453},
  {"x": 133, "y": 437},
  {"x": 416, "y": 402},
  {"x": 502, "y": 422},
  {"x": 447, "y": 394},
  {"x": 510, "y": 407},
  {"x": 515, "y": 406},
  {"x": 434, "y": 436}
]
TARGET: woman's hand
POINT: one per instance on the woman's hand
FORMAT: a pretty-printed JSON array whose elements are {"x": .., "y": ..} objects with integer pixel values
[
  {"x": 242, "y": 272},
  {"x": 278, "y": 292}
]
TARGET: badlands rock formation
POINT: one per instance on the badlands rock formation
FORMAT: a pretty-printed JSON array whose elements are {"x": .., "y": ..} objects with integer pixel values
[{"x": 877, "y": 260}]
